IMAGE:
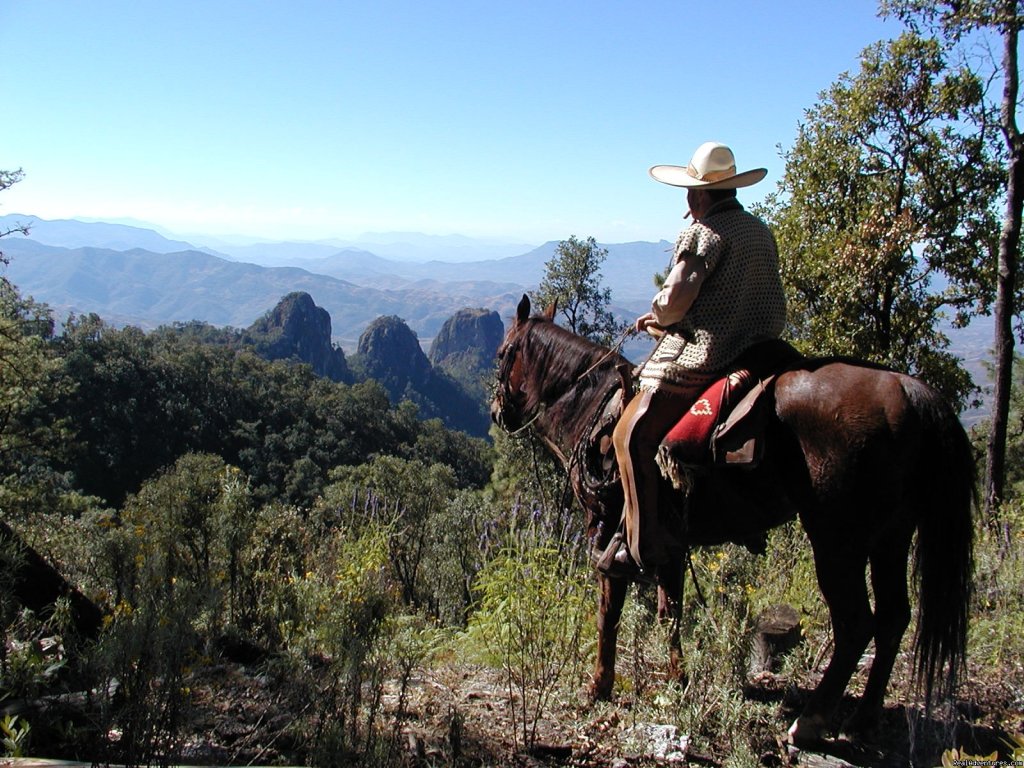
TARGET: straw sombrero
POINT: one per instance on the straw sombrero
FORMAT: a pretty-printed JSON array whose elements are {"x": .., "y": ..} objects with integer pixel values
[{"x": 712, "y": 166}]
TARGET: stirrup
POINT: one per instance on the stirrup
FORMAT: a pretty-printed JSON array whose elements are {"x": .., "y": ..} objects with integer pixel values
[
  {"x": 615, "y": 559},
  {"x": 617, "y": 563}
]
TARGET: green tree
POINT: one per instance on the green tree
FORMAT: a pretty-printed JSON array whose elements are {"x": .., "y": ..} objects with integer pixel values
[
  {"x": 957, "y": 21},
  {"x": 143, "y": 400},
  {"x": 26, "y": 379},
  {"x": 405, "y": 496},
  {"x": 470, "y": 458},
  {"x": 122, "y": 432},
  {"x": 185, "y": 530},
  {"x": 26, "y": 368},
  {"x": 888, "y": 186},
  {"x": 572, "y": 279}
]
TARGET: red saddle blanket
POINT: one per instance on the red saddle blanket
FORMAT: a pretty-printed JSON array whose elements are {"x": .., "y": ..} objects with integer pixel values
[{"x": 690, "y": 441}]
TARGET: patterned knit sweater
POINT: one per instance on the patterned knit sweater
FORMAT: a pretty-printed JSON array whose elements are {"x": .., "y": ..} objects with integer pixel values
[{"x": 723, "y": 293}]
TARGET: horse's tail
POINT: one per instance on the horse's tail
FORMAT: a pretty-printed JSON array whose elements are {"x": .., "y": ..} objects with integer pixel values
[{"x": 944, "y": 555}]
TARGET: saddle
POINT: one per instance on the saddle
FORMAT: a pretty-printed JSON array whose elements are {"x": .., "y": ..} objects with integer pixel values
[{"x": 725, "y": 426}]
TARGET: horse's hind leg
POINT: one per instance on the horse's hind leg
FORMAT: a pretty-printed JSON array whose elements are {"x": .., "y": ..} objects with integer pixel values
[
  {"x": 892, "y": 615},
  {"x": 609, "y": 612},
  {"x": 841, "y": 577}
]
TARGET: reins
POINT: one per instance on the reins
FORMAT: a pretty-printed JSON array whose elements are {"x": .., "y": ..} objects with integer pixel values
[
  {"x": 613, "y": 350},
  {"x": 527, "y": 425}
]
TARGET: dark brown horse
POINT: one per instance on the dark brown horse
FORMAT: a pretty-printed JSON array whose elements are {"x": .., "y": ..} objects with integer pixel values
[{"x": 864, "y": 456}]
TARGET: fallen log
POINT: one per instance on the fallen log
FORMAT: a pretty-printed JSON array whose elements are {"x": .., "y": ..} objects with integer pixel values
[{"x": 37, "y": 586}]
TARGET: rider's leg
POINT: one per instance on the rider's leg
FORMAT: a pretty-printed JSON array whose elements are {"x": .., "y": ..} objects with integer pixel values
[{"x": 636, "y": 438}]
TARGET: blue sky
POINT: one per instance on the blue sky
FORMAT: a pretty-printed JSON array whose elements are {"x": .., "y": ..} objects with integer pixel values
[{"x": 309, "y": 119}]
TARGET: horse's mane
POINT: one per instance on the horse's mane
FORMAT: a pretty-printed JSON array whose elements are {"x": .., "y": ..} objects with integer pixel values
[{"x": 572, "y": 362}]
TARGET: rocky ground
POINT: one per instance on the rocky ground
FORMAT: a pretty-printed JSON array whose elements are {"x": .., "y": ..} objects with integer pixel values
[{"x": 461, "y": 716}]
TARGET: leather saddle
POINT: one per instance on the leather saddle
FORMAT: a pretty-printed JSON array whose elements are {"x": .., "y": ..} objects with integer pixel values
[{"x": 725, "y": 426}]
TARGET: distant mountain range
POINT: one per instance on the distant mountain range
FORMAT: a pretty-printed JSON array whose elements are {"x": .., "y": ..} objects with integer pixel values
[
  {"x": 135, "y": 275},
  {"x": 71, "y": 233},
  {"x": 396, "y": 246}
]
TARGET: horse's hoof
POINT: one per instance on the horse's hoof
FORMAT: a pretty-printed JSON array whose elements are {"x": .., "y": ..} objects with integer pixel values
[
  {"x": 679, "y": 676},
  {"x": 807, "y": 731}
]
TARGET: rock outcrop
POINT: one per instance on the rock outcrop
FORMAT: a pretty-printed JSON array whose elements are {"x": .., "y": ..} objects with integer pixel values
[
  {"x": 297, "y": 329},
  {"x": 468, "y": 341},
  {"x": 465, "y": 347},
  {"x": 390, "y": 353}
]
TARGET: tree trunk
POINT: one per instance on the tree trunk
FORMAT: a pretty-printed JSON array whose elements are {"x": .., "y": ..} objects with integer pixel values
[{"x": 1009, "y": 242}]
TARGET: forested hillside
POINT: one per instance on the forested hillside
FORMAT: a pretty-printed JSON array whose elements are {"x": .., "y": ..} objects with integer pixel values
[
  {"x": 136, "y": 402},
  {"x": 176, "y": 481},
  {"x": 298, "y": 331}
]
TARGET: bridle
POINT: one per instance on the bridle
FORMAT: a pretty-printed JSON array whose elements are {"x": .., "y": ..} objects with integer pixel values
[
  {"x": 504, "y": 392},
  {"x": 580, "y": 476},
  {"x": 507, "y": 357}
]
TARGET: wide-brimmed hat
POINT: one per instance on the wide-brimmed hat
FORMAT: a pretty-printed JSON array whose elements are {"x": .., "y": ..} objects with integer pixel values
[{"x": 712, "y": 166}]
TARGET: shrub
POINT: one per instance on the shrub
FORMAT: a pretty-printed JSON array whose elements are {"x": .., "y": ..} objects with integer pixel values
[
  {"x": 437, "y": 532},
  {"x": 457, "y": 549},
  {"x": 535, "y": 611},
  {"x": 173, "y": 560},
  {"x": 996, "y": 640},
  {"x": 337, "y": 644},
  {"x": 142, "y": 661}
]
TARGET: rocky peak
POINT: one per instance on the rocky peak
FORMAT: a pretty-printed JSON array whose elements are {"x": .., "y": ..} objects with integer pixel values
[
  {"x": 389, "y": 349},
  {"x": 468, "y": 340},
  {"x": 298, "y": 329},
  {"x": 390, "y": 353},
  {"x": 464, "y": 349}
]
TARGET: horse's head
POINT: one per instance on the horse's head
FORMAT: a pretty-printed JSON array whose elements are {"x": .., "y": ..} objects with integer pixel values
[{"x": 512, "y": 406}]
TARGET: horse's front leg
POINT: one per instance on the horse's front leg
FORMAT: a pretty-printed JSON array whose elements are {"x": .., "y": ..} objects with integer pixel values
[
  {"x": 612, "y": 598},
  {"x": 670, "y": 579}
]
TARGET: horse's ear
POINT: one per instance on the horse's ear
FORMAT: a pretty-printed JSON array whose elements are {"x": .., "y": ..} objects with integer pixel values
[
  {"x": 549, "y": 313},
  {"x": 523, "y": 310}
]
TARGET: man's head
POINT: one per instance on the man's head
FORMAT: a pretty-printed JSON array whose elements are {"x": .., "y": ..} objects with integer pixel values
[
  {"x": 712, "y": 167},
  {"x": 700, "y": 199}
]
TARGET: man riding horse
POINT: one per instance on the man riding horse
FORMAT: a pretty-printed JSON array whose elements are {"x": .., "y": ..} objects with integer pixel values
[
  {"x": 722, "y": 294},
  {"x": 874, "y": 463}
]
